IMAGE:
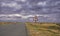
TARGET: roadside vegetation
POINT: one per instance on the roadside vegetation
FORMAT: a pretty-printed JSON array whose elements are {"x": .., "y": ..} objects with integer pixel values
[
  {"x": 4, "y": 23},
  {"x": 43, "y": 29}
]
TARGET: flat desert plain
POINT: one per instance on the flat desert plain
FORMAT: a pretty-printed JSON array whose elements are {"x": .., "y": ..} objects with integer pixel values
[{"x": 43, "y": 29}]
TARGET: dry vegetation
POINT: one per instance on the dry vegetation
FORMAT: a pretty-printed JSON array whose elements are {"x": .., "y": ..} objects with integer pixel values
[
  {"x": 43, "y": 29},
  {"x": 3, "y": 23}
]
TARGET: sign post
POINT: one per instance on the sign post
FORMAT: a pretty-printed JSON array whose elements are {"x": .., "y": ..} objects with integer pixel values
[{"x": 35, "y": 19}]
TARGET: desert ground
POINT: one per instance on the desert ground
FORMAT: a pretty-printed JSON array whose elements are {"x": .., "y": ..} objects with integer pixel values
[{"x": 43, "y": 29}]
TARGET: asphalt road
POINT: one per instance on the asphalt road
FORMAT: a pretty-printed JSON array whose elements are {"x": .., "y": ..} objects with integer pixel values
[{"x": 13, "y": 30}]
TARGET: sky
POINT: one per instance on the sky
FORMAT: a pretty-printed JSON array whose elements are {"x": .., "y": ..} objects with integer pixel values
[{"x": 25, "y": 10}]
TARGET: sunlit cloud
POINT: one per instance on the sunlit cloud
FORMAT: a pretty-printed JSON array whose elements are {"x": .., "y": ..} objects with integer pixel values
[
  {"x": 41, "y": 3},
  {"x": 22, "y": 16},
  {"x": 21, "y": 0},
  {"x": 10, "y": 15}
]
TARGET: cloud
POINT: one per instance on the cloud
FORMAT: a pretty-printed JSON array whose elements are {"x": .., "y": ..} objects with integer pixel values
[
  {"x": 17, "y": 17},
  {"x": 21, "y": 0},
  {"x": 37, "y": 6},
  {"x": 22, "y": 16},
  {"x": 54, "y": 19},
  {"x": 42, "y": 8},
  {"x": 10, "y": 15},
  {"x": 41, "y": 3},
  {"x": 13, "y": 5}
]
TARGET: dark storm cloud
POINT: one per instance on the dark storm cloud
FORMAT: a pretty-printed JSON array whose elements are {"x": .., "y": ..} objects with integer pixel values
[
  {"x": 32, "y": 7},
  {"x": 42, "y": 6}
]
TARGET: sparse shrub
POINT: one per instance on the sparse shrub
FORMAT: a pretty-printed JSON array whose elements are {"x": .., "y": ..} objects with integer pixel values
[{"x": 58, "y": 24}]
